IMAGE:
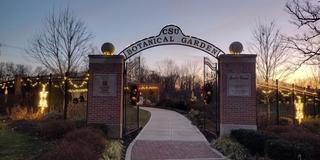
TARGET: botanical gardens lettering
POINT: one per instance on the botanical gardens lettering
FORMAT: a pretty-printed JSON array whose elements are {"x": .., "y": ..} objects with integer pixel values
[{"x": 171, "y": 35}]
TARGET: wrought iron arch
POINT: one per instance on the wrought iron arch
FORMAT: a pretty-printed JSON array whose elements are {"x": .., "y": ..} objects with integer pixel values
[{"x": 171, "y": 35}]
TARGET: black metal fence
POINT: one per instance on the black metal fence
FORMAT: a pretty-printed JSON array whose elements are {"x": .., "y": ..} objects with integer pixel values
[
  {"x": 277, "y": 102},
  {"x": 66, "y": 94}
]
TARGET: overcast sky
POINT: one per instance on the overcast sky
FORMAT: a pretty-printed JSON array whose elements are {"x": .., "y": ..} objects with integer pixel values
[{"x": 219, "y": 22}]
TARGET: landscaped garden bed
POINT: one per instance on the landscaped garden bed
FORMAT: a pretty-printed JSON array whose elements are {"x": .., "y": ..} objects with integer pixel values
[
  {"x": 51, "y": 137},
  {"x": 275, "y": 142}
]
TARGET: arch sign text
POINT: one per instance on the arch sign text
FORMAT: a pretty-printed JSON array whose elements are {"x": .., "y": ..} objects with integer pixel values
[{"x": 171, "y": 35}]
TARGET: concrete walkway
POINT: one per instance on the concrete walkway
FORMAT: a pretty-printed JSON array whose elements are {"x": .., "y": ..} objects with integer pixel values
[{"x": 169, "y": 135}]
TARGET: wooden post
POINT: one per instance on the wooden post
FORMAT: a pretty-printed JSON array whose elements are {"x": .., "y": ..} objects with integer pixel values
[
  {"x": 66, "y": 96},
  {"x": 314, "y": 105},
  {"x": 293, "y": 105},
  {"x": 49, "y": 91},
  {"x": 278, "y": 112}
]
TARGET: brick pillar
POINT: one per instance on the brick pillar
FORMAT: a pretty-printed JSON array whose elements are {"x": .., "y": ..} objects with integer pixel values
[
  {"x": 105, "y": 93},
  {"x": 238, "y": 107}
]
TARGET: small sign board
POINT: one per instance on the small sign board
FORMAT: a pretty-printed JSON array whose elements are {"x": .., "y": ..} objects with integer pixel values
[
  {"x": 105, "y": 85},
  {"x": 239, "y": 84}
]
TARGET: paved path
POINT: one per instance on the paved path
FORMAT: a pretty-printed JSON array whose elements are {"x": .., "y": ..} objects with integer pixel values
[{"x": 169, "y": 135}]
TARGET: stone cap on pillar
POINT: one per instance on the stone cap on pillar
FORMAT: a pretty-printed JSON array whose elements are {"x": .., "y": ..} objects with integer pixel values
[
  {"x": 106, "y": 59},
  {"x": 237, "y": 58}
]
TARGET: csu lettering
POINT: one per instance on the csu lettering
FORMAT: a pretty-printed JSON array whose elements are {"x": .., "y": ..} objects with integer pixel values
[{"x": 170, "y": 31}]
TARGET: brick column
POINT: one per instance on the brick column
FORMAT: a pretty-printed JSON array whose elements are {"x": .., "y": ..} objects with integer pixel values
[
  {"x": 105, "y": 92},
  {"x": 237, "y": 81}
]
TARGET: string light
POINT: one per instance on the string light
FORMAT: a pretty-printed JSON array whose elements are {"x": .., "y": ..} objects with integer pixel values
[
  {"x": 43, "y": 103},
  {"x": 285, "y": 94},
  {"x": 4, "y": 86},
  {"x": 6, "y": 91},
  {"x": 193, "y": 97},
  {"x": 83, "y": 83},
  {"x": 34, "y": 84},
  {"x": 148, "y": 87},
  {"x": 299, "y": 110},
  {"x": 78, "y": 90},
  {"x": 267, "y": 92},
  {"x": 284, "y": 87}
]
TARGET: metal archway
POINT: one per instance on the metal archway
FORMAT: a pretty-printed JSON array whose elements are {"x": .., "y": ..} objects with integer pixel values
[{"x": 171, "y": 35}]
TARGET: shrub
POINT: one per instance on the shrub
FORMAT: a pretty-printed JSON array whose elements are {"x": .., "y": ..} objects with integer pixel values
[
  {"x": 313, "y": 124},
  {"x": 22, "y": 113},
  {"x": 279, "y": 149},
  {"x": 262, "y": 122},
  {"x": 306, "y": 138},
  {"x": 297, "y": 134},
  {"x": 2, "y": 127},
  {"x": 67, "y": 150},
  {"x": 92, "y": 138},
  {"x": 77, "y": 111},
  {"x": 52, "y": 116},
  {"x": 180, "y": 105},
  {"x": 55, "y": 129},
  {"x": 253, "y": 140},
  {"x": 283, "y": 129},
  {"x": 81, "y": 144},
  {"x": 80, "y": 123},
  {"x": 302, "y": 137},
  {"x": 25, "y": 126},
  {"x": 101, "y": 127},
  {"x": 113, "y": 150},
  {"x": 285, "y": 121},
  {"x": 194, "y": 116},
  {"x": 231, "y": 149}
]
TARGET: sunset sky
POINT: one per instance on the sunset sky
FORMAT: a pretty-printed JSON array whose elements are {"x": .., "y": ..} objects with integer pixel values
[{"x": 125, "y": 22}]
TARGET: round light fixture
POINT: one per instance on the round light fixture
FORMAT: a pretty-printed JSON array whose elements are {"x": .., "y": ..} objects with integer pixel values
[
  {"x": 107, "y": 49},
  {"x": 235, "y": 47}
]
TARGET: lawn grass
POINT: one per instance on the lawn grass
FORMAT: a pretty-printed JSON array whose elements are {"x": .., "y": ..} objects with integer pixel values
[
  {"x": 16, "y": 146},
  {"x": 131, "y": 117}
]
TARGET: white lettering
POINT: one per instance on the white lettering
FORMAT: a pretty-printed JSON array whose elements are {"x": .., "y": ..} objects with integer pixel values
[{"x": 171, "y": 35}]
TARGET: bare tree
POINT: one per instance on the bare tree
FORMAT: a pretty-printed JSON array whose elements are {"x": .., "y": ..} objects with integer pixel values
[
  {"x": 8, "y": 70},
  {"x": 315, "y": 69},
  {"x": 22, "y": 70},
  {"x": 272, "y": 55},
  {"x": 305, "y": 15},
  {"x": 189, "y": 74},
  {"x": 39, "y": 71},
  {"x": 271, "y": 50},
  {"x": 169, "y": 72},
  {"x": 62, "y": 45}
]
